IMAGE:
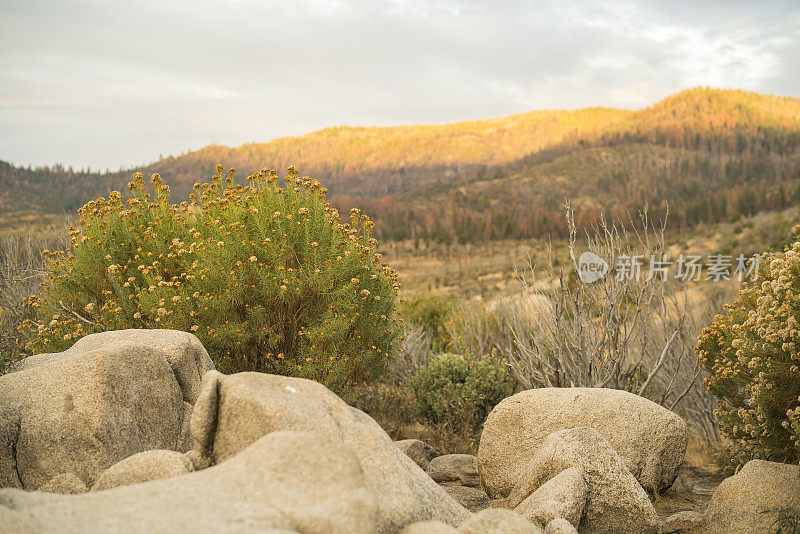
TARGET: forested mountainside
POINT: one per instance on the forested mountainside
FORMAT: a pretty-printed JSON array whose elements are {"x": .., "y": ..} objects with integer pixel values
[{"x": 707, "y": 154}]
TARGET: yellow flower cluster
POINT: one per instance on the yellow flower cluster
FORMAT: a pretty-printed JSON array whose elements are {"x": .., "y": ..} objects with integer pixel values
[
  {"x": 267, "y": 275},
  {"x": 754, "y": 363}
]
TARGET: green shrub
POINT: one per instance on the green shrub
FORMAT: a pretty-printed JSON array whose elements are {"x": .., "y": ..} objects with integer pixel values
[
  {"x": 431, "y": 314},
  {"x": 753, "y": 355},
  {"x": 450, "y": 382},
  {"x": 268, "y": 277},
  {"x": 390, "y": 404}
]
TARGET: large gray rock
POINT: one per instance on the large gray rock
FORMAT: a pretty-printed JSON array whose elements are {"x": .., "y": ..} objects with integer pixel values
[
  {"x": 560, "y": 525},
  {"x": 285, "y": 482},
  {"x": 64, "y": 484},
  {"x": 183, "y": 351},
  {"x": 563, "y": 496},
  {"x": 234, "y": 411},
  {"x": 684, "y": 521},
  {"x": 748, "y": 502},
  {"x": 498, "y": 521},
  {"x": 429, "y": 527},
  {"x": 185, "y": 436},
  {"x": 459, "y": 468},
  {"x": 473, "y": 499},
  {"x": 17, "y": 523},
  {"x": 143, "y": 467},
  {"x": 491, "y": 521},
  {"x": 109, "y": 396},
  {"x": 650, "y": 439},
  {"x": 417, "y": 450},
  {"x": 615, "y": 503}
]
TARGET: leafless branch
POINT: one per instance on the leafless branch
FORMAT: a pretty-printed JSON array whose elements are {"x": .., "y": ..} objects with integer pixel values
[{"x": 76, "y": 314}]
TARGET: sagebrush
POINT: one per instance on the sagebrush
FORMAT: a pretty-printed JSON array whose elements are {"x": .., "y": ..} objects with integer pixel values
[
  {"x": 461, "y": 391},
  {"x": 753, "y": 355},
  {"x": 266, "y": 275}
]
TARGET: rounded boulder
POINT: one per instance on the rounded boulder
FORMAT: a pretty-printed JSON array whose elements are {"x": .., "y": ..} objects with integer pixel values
[
  {"x": 752, "y": 499},
  {"x": 143, "y": 467},
  {"x": 650, "y": 439}
]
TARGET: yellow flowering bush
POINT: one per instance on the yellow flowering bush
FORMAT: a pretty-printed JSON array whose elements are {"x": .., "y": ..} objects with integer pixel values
[
  {"x": 266, "y": 275},
  {"x": 753, "y": 355}
]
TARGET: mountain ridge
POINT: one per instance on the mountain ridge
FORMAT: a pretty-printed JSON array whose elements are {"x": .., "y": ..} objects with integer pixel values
[{"x": 684, "y": 149}]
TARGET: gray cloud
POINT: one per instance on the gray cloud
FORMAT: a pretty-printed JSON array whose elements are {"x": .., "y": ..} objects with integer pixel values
[{"x": 89, "y": 83}]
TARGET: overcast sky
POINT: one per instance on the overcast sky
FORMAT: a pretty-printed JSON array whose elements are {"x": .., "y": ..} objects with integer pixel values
[{"x": 106, "y": 84}]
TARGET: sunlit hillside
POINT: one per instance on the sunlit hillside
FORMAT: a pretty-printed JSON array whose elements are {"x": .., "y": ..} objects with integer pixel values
[
  {"x": 353, "y": 154},
  {"x": 701, "y": 155},
  {"x": 704, "y": 110},
  {"x": 382, "y": 161},
  {"x": 706, "y": 155}
]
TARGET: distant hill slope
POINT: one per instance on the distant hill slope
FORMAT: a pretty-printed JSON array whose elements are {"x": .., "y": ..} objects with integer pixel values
[
  {"x": 376, "y": 161},
  {"x": 707, "y": 153}
]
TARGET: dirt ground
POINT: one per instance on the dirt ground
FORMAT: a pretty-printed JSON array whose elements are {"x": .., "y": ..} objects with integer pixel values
[{"x": 692, "y": 490}]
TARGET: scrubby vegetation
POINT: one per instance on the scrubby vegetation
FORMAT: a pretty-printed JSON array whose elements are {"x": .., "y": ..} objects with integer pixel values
[
  {"x": 634, "y": 333},
  {"x": 267, "y": 276},
  {"x": 474, "y": 307},
  {"x": 429, "y": 314},
  {"x": 22, "y": 270},
  {"x": 631, "y": 333},
  {"x": 753, "y": 355},
  {"x": 430, "y": 394},
  {"x": 444, "y": 401},
  {"x": 451, "y": 384}
]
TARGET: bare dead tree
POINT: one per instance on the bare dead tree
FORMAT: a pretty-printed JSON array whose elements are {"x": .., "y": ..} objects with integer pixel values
[
  {"x": 22, "y": 270},
  {"x": 415, "y": 352},
  {"x": 622, "y": 331}
]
